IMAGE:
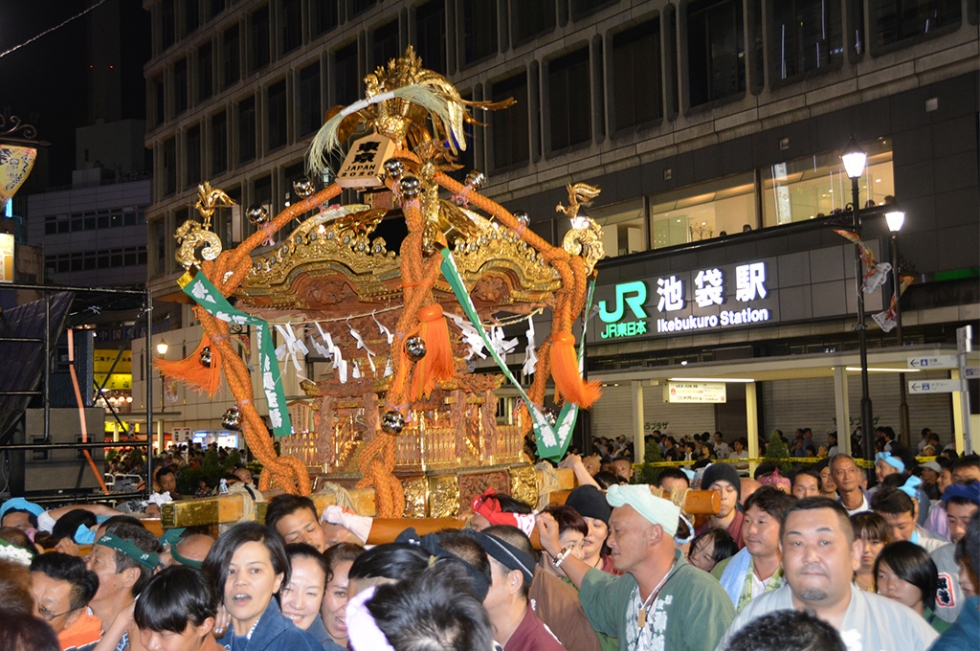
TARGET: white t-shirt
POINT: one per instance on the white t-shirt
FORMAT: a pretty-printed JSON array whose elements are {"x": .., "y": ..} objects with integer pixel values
[
  {"x": 871, "y": 622},
  {"x": 861, "y": 509}
]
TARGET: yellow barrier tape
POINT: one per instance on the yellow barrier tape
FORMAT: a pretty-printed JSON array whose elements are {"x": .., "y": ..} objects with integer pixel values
[{"x": 863, "y": 463}]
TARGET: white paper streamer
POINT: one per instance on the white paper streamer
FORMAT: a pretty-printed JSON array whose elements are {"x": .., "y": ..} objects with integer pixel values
[
  {"x": 470, "y": 336},
  {"x": 331, "y": 350},
  {"x": 290, "y": 346},
  {"x": 360, "y": 344},
  {"x": 385, "y": 331},
  {"x": 530, "y": 354},
  {"x": 501, "y": 345}
]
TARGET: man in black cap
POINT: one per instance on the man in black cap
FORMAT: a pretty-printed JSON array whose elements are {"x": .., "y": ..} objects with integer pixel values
[
  {"x": 723, "y": 477},
  {"x": 592, "y": 506},
  {"x": 515, "y": 625}
]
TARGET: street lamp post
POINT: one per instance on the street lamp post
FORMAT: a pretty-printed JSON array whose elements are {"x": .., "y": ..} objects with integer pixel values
[
  {"x": 895, "y": 219},
  {"x": 162, "y": 348},
  {"x": 854, "y": 159}
]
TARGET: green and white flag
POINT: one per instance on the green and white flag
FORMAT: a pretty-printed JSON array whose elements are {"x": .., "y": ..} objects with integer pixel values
[
  {"x": 552, "y": 444},
  {"x": 207, "y": 296}
]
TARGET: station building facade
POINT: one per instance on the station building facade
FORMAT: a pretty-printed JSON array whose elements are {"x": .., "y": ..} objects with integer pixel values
[{"x": 713, "y": 128}]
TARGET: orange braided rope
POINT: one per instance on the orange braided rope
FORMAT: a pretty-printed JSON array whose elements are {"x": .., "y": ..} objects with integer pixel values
[
  {"x": 569, "y": 299},
  {"x": 286, "y": 472},
  {"x": 377, "y": 459}
]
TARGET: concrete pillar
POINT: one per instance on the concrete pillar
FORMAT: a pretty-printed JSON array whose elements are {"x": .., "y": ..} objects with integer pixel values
[
  {"x": 752, "y": 424},
  {"x": 638, "y": 422},
  {"x": 160, "y": 446},
  {"x": 842, "y": 410},
  {"x": 958, "y": 414}
]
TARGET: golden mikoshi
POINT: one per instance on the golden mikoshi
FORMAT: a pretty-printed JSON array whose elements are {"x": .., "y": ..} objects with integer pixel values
[{"x": 384, "y": 405}]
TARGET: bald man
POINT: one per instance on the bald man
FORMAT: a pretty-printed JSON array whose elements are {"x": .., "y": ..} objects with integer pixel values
[
  {"x": 749, "y": 486},
  {"x": 191, "y": 550}
]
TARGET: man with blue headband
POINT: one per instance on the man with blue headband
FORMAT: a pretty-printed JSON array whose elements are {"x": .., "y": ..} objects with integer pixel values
[
  {"x": 660, "y": 601},
  {"x": 20, "y": 514}
]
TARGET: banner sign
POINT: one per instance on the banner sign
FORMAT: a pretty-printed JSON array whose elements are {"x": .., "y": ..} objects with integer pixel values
[
  {"x": 207, "y": 296},
  {"x": 552, "y": 444},
  {"x": 15, "y": 166}
]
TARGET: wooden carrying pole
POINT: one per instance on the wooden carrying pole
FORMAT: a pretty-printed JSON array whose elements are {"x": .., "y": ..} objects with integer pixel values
[{"x": 385, "y": 530}]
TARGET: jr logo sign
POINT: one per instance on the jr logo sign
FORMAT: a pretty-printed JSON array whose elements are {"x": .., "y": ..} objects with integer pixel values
[{"x": 632, "y": 295}]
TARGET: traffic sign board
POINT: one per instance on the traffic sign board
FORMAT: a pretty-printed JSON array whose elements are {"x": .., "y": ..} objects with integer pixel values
[
  {"x": 936, "y": 386},
  {"x": 939, "y": 361}
]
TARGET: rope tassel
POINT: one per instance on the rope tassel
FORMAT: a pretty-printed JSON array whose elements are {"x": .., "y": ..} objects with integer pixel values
[
  {"x": 190, "y": 370},
  {"x": 565, "y": 370},
  {"x": 438, "y": 361}
]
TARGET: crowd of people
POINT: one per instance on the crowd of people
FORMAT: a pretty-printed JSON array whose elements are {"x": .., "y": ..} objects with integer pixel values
[{"x": 813, "y": 560}]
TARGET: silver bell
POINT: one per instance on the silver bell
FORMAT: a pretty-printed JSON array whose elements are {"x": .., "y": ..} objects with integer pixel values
[
  {"x": 232, "y": 420},
  {"x": 205, "y": 356},
  {"x": 415, "y": 348},
  {"x": 475, "y": 179},
  {"x": 522, "y": 218},
  {"x": 257, "y": 214},
  {"x": 410, "y": 187},
  {"x": 394, "y": 168},
  {"x": 393, "y": 422},
  {"x": 303, "y": 187}
]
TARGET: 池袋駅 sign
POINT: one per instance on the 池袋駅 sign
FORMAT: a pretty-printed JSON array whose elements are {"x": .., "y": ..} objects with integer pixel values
[{"x": 702, "y": 300}]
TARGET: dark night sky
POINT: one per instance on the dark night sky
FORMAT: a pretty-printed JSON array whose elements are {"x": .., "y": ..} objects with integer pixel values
[{"x": 45, "y": 83}]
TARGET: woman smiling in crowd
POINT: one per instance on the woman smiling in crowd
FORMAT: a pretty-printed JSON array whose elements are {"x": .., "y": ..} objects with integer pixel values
[
  {"x": 301, "y": 596},
  {"x": 339, "y": 559}
]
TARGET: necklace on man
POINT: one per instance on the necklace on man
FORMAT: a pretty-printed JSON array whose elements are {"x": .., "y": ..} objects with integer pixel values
[{"x": 641, "y": 615}]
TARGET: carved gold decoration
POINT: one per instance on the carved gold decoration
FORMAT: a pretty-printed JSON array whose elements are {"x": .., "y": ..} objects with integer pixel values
[
  {"x": 524, "y": 484},
  {"x": 333, "y": 274},
  {"x": 210, "y": 199},
  {"x": 585, "y": 241},
  {"x": 192, "y": 237},
  {"x": 579, "y": 194},
  {"x": 443, "y": 496},
  {"x": 416, "y": 489},
  {"x": 330, "y": 262}
]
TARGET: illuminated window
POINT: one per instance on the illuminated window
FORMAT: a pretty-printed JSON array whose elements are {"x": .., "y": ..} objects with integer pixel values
[
  {"x": 623, "y": 227},
  {"x": 702, "y": 212},
  {"x": 816, "y": 186}
]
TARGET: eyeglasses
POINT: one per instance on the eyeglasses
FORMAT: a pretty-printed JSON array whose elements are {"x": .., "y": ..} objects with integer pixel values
[{"x": 49, "y": 616}]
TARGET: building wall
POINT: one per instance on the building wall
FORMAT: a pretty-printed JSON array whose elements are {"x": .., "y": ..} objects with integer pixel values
[
  {"x": 115, "y": 146},
  {"x": 99, "y": 233},
  {"x": 618, "y": 78},
  {"x": 877, "y": 93}
]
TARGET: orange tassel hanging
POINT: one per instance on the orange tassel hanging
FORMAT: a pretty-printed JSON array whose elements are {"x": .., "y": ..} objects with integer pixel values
[
  {"x": 564, "y": 368},
  {"x": 438, "y": 361},
  {"x": 192, "y": 371}
]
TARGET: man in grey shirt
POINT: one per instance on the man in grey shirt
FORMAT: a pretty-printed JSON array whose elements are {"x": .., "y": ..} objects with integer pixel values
[
  {"x": 961, "y": 501},
  {"x": 819, "y": 559}
]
